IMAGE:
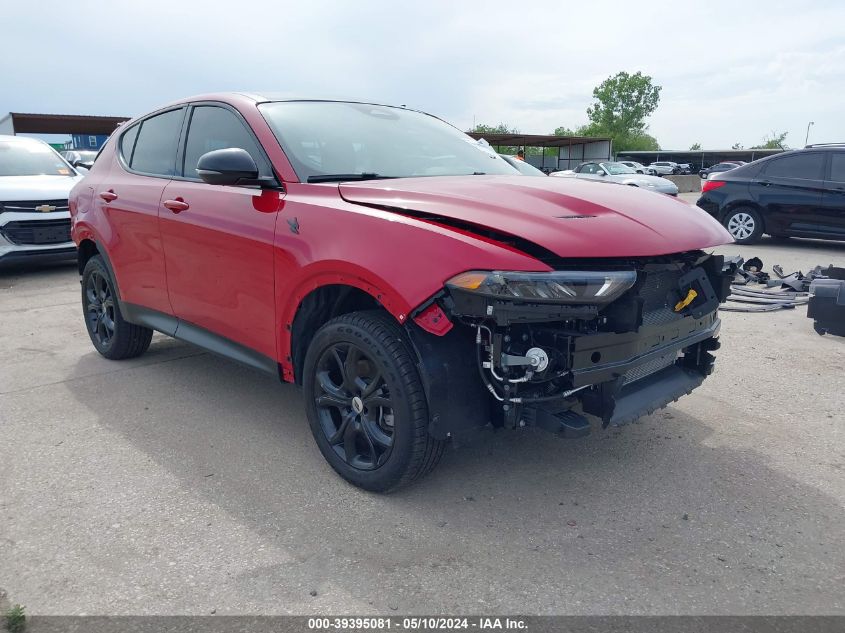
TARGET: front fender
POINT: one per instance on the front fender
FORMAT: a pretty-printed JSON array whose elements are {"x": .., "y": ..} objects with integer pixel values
[{"x": 328, "y": 273}]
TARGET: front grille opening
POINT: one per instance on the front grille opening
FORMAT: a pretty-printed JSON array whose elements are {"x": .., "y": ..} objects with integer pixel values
[{"x": 36, "y": 232}]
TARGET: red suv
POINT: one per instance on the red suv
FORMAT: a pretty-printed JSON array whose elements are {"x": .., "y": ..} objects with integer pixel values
[{"x": 406, "y": 276}]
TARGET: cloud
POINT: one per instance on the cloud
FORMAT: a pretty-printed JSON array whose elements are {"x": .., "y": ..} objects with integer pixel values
[{"x": 730, "y": 71}]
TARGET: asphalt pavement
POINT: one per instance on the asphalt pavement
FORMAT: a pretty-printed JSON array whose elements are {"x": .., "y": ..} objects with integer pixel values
[{"x": 181, "y": 483}]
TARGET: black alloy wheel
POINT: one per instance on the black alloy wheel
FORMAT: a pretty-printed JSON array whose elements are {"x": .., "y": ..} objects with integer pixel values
[
  {"x": 99, "y": 309},
  {"x": 112, "y": 336},
  {"x": 366, "y": 403},
  {"x": 354, "y": 406}
]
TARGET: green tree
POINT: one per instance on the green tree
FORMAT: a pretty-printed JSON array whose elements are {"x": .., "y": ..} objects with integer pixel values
[
  {"x": 695, "y": 147},
  {"x": 504, "y": 128},
  {"x": 566, "y": 131},
  {"x": 622, "y": 104},
  {"x": 774, "y": 140},
  {"x": 501, "y": 128}
]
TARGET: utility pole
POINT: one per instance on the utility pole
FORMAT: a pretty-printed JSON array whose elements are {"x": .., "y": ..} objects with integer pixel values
[{"x": 807, "y": 137}]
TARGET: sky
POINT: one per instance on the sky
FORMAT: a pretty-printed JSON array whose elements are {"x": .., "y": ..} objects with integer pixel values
[{"x": 731, "y": 72}]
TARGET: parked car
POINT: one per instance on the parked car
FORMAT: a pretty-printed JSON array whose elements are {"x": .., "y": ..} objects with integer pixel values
[
  {"x": 80, "y": 158},
  {"x": 409, "y": 280},
  {"x": 799, "y": 193},
  {"x": 619, "y": 173},
  {"x": 524, "y": 168},
  {"x": 717, "y": 169},
  {"x": 638, "y": 167},
  {"x": 665, "y": 168},
  {"x": 34, "y": 186},
  {"x": 684, "y": 168}
]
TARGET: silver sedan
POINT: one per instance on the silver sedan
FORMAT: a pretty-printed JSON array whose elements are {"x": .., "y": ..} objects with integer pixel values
[{"x": 608, "y": 171}]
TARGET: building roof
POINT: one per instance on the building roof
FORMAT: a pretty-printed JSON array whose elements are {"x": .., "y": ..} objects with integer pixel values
[
  {"x": 535, "y": 140},
  {"x": 29, "y": 123},
  {"x": 699, "y": 152}
]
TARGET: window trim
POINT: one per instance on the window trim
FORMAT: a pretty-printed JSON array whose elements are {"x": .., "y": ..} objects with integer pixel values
[
  {"x": 140, "y": 122},
  {"x": 786, "y": 156},
  {"x": 183, "y": 143},
  {"x": 828, "y": 172}
]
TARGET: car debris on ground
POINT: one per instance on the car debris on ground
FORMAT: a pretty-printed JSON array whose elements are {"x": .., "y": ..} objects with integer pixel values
[{"x": 822, "y": 290}]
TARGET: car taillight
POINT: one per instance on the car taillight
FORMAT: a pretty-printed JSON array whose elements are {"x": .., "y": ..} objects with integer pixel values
[{"x": 712, "y": 184}]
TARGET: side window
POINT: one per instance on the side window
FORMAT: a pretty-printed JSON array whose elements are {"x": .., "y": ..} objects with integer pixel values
[
  {"x": 837, "y": 166},
  {"x": 214, "y": 128},
  {"x": 805, "y": 166},
  {"x": 155, "y": 149},
  {"x": 127, "y": 143},
  {"x": 589, "y": 168}
]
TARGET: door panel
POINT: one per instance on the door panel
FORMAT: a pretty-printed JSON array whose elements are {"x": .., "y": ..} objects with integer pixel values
[
  {"x": 219, "y": 254},
  {"x": 790, "y": 192},
  {"x": 134, "y": 242},
  {"x": 832, "y": 217}
]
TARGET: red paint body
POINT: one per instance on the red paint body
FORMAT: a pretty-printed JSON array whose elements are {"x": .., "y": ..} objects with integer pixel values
[{"x": 227, "y": 259}]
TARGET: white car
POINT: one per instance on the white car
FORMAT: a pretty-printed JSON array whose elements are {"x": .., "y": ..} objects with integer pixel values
[
  {"x": 34, "y": 186},
  {"x": 638, "y": 167},
  {"x": 609, "y": 171},
  {"x": 665, "y": 168}
]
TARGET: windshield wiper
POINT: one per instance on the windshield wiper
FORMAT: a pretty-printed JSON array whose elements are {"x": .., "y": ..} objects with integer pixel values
[{"x": 342, "y": 177}]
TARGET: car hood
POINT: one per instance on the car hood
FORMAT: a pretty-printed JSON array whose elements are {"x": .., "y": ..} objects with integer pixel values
[
  {"x": 20, "y": 188},
  {"x": 569, "y": 217}
]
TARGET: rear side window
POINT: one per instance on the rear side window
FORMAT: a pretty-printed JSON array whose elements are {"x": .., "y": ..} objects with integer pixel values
[
  {"x": 837, "y": 166},
  {"x": 155, "y": 148},
  {"x": 127, "y": 143},
  {"x": 214, "y": 128},
  {"x": 804, "y": 166}
]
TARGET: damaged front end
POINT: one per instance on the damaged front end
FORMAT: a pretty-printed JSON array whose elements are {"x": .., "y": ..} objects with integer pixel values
[{"x": 615, "y": 339}]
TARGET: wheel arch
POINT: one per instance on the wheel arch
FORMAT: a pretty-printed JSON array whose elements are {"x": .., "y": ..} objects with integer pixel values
[
  {"x": 86, "y": 249},
  {"x": 320, "y": 304}
]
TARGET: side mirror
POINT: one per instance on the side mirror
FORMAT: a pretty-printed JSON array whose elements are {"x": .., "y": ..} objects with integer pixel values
[
  {"x": 601, "y": 172},
  {"x": 232, "y": 166}
]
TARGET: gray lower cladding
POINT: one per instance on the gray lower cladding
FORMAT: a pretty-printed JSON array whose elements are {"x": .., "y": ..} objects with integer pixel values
[{"x": 196, "y": 335}]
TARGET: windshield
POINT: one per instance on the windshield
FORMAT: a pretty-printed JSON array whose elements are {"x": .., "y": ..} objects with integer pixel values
[
  {"x": 617, "y": 169},
  {"x": 326, "y": 138},
  {"x": 24, "y": 157},
  {"x": 526, "y": 169}
]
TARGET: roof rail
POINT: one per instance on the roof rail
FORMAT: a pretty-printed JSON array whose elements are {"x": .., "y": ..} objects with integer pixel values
[{"x": 824, "y": 145}]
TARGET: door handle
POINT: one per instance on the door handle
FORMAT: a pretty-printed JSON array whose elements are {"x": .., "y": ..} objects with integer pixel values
[
  {"x": 108, "y": 196},
  {"x": 177, "y": 206}
]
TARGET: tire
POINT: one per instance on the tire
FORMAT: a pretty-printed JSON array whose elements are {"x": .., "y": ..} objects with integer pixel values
[
  {"x": 112, "y": 336},
  {"x": 369, "y": 416},
  {"x": 744, "y": 224}
]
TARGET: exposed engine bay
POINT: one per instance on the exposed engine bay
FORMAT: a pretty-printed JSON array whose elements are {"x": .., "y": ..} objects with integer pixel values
[{"x": 611, "y": 339}]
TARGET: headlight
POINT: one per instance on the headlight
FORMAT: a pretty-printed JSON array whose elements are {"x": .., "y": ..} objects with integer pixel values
[{"x": 560, "y": 286}]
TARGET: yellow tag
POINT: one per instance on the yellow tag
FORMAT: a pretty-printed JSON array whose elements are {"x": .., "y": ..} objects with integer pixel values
[{"x": 691, "y": 295}]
